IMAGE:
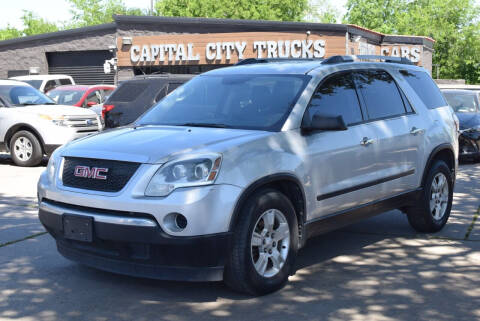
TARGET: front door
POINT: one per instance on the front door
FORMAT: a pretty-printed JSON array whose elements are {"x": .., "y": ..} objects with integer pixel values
[{"x": 341, "y": 164}]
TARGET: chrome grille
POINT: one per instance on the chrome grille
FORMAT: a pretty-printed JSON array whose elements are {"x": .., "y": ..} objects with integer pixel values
[{"x": 82, "y": 123}]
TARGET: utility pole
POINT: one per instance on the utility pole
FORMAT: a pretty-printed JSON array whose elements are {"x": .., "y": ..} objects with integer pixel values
[
  {"x": 151, "y": 7},
  {"x": 437, "y": 66}
]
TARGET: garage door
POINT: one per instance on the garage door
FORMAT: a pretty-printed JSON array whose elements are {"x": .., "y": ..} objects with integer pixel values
[{"x": 86, "y": 67}]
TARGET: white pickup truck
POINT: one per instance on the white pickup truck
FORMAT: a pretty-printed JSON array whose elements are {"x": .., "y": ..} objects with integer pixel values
[{"x": 33, "y": 125}]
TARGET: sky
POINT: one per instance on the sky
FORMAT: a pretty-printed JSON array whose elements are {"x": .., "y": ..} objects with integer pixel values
[
  {"x": 52, "y": 10},
  {"x": 58, "y": 10}
]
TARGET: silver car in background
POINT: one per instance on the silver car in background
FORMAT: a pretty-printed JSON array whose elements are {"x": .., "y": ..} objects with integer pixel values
[
  {"x": 228, "y": 176},
  {"x": 33, "y": 125}
]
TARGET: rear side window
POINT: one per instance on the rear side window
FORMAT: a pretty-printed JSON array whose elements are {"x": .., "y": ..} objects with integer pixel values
[
  {"x": 425, "y": 88},
  {"x": 65, "y": 81},
  {"x": 129, "y": 91},
  {"x": 337, "y": 96},
  {"x": 173, "y": 86},
  {"x": 380, "y": 94}
]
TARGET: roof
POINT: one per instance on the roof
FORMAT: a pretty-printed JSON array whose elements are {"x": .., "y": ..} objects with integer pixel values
[
  {"x": 299, "y": 66},
  {"x": 224, "y": 25},
  {"x": 40, "y": 77},
  {"x": 81, "y": 87},
  {"x": 460, "y": 91},
  {"x": 59, "y": 34},
  {"x": 459, "y": 86},
  {"x": 293, "y": 67},
  {"x": 12, "y": 83}
]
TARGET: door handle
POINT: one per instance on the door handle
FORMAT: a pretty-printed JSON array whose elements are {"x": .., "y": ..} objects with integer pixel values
[
  {"x": 416, "y": 131},
  {"x": 366, "y": 141}
]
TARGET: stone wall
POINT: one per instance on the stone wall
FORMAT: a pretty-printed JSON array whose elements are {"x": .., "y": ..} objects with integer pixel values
[{"x": 22, "y": 56}]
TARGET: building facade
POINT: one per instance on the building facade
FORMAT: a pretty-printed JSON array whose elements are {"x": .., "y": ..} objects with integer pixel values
[{"x": 134, "y": 45}]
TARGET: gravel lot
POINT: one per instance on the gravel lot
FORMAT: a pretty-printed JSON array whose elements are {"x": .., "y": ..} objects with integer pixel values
[{"x": 379, "y": 269}]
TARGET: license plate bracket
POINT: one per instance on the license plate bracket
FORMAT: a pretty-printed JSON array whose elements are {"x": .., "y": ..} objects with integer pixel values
[{"x": 78, "y": 228}]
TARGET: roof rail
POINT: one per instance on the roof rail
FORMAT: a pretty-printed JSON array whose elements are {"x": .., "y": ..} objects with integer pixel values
[
  {"x": 337, "y": 59},
  {"x": 340, "y": 59},
  {"x": 397, "y": 60},
  {"x": 249, "y": 61},
  {"x": 329, "y": 61}
]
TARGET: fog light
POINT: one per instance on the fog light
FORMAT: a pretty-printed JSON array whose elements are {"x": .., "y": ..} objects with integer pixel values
[
  {"x": 175, "y": 222},
  {"x": 181, "y": 221}
]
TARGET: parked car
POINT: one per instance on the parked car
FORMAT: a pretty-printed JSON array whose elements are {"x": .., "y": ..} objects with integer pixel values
[
  {"x": 33, "y": 125},
  {"x": 135, "y": 96},
  {"x": 228, "y": 176},
  {"x": 44, "y": 83},
  {"x": 80, "y": 95},
  {"x": 466, "y": 104}
]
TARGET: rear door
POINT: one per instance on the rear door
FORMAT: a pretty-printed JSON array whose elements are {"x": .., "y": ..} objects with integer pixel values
[
  {"x": 399, "y": 131},
  {"x": 341, "y": 164}
]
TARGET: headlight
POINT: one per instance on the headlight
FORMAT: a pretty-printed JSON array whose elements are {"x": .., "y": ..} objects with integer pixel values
[
  {"x": 201, "y": 170},
  {"x": 470, "y": 129},
  {"x": 60, "y": 121},
  {"x": 51, "y": 169}
]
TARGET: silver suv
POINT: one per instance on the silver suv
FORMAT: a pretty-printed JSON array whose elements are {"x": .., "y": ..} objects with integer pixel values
[{"x": 228, "y": 176}]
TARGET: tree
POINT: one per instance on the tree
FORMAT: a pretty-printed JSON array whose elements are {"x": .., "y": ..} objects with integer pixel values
[
  {"x": 453, "y": 24},
  {"x": 283, "y": 10},
  {"x": 94, "y": 12},
  {"x": 9, "y": 32},
  {"x": 35, "y": 25},
  {"x": 322, "y": 11},
  {"x": 32, "y": 25}
]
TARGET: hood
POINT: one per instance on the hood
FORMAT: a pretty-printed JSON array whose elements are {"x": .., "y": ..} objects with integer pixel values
[
  {"x": 155, "y": 144},
  {"x": 56, "y": 111},
  {"x": 468, "y": 120}
]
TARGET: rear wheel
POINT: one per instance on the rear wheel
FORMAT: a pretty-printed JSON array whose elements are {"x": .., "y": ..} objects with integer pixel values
[
  {"x": 433, "y": 209},
  {"x": 25, "y": 149},
  {"x": 265, "y": 244}
]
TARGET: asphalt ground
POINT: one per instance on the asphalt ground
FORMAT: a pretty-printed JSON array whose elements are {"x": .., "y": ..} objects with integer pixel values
[{"x": 379, "y": 269}]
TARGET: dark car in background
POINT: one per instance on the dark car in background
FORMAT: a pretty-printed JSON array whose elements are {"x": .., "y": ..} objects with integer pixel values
[
  {"x": 80, "y": 95},
  {"x": 466, "y": 104},
  {"x": 135, "y": 96}
]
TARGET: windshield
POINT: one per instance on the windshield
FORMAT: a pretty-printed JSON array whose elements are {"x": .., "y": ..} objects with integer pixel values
[
  {"x": 66, "y": 97},
  {"x": 24, "y": 95},
  {"x": 260, "y": 102},
  {"x": 34, "y": 83},
  {"x": 462, "y": 102}
]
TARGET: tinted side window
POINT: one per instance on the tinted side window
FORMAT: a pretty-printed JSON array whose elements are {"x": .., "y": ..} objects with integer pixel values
[
  {"x": 65, "y": 81},
  {"x": 49, "y": 85},
  {"x": 425, "y": 88},
  {"x": 172, "y": 87},
  {"x": 337, "y": 96},
  {"x": 129, "y": 91},
  {"x": 380, "y": 94}
]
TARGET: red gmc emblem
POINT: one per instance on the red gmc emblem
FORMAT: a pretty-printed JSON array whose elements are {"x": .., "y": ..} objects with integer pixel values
[{"x": 90, "y": 172}]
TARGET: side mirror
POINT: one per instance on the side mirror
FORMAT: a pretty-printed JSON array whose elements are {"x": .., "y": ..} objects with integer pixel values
[
  {"x": 91, "y": 103},
  {"x": 323, "y": 122}
]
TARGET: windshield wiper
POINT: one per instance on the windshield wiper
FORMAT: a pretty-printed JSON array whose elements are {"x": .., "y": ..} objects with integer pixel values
[{"x": 212, "y": 125}]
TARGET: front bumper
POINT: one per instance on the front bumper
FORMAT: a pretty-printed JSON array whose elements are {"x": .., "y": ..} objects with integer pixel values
[
  {"x": 133, "y": 244},
  {"x": 469, "y": 145},
  {"x": 60, "y": 135}
]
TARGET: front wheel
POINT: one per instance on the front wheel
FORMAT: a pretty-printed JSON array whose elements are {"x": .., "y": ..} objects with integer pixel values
[
  {"x": 25, "y": 149},
  {"x": 265, "y": 244},
  {"x": 433, "y": 209}
]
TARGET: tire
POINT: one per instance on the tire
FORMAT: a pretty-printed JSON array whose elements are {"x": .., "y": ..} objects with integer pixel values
[
  {"x": 240, "y": 272},
  {"x": 422, "y": 217},
  {"x": 25, "y": 149}
]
